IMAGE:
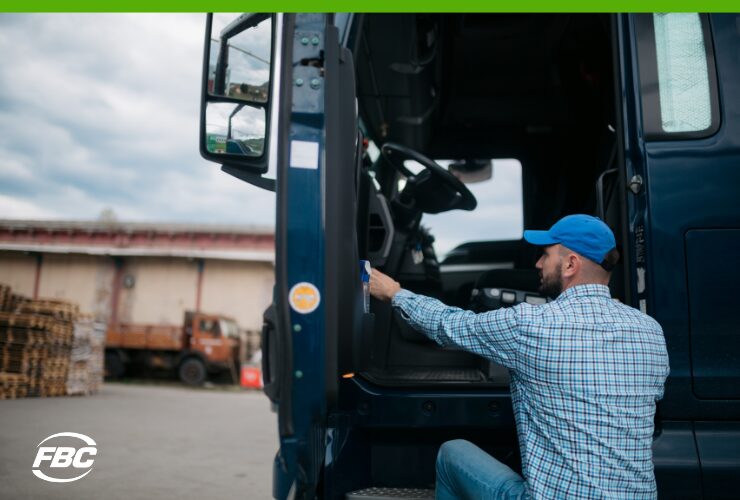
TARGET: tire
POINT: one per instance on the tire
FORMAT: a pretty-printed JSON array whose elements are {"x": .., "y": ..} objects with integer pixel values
[
  {"x": 114, "y": 367},
  {"x": 192, "y": 371}
]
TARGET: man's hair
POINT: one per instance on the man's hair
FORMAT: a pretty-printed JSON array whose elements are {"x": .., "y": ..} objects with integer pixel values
[{"x": 610, "y": 260}]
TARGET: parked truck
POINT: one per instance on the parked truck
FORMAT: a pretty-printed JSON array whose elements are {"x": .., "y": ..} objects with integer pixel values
[
  {"x": 203, "y": 344},
  {"x": 375, "y": 125}
]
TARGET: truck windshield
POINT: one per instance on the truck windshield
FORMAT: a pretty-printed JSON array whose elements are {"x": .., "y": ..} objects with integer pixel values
[
  {"x": 498, "y": 216},
  {"x": 229, "y": 328}
]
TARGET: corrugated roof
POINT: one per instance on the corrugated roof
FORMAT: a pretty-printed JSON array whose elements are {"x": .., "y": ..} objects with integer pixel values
[
  {"x": 129, "y": 227},
  {"x": 145, "y": 239}
]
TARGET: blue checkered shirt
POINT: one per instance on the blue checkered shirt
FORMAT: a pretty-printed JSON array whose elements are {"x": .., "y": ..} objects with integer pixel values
[{"x": 586, "y": 371}]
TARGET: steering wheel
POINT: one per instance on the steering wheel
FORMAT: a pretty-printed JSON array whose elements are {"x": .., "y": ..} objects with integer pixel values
[{"x": 433, "y": 190}]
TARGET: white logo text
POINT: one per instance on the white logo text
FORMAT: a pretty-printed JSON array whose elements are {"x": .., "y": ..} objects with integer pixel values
[{"x": 64, "y": 457}]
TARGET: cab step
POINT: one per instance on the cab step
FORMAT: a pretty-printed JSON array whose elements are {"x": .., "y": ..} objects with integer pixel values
[{"x": 391, "y": 494}]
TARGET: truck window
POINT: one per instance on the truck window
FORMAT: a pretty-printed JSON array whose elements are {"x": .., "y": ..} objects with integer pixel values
[
  {"x": 683, "y": 81},
  {"x": 210, "y": 327},
  {"x": 229, "y": 328},
  {"x": 499, "y": 215},
  {"x": 676, "y": 58}
]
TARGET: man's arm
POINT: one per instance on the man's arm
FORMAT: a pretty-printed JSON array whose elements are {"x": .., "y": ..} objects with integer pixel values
[{"x": 493, "y": 335}]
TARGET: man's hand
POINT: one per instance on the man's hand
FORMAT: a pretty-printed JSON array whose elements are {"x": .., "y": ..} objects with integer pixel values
[{"x": 383, "y": 287}]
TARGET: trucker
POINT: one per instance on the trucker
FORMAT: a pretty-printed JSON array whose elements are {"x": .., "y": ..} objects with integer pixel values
[
  {"x": 586, "y": 372},
  {"x": 371, "y": 129}
]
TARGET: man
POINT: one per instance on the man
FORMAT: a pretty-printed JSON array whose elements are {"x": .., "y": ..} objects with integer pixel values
[{"x": 586, "y": 371}]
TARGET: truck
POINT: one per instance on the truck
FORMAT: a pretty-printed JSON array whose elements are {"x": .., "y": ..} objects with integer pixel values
[
  {"x": 381, "y": 135},
  {"x": 203, "y": 344}
]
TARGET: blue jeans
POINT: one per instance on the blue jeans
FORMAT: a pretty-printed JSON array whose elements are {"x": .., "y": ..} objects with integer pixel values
[{"x": 465, "y": 472}]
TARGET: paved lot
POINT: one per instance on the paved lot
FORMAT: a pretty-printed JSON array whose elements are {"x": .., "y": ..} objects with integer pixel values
[{"x": 153, "y": 442}]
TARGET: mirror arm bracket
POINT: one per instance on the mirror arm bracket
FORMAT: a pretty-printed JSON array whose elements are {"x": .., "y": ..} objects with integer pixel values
[
  {"x": 219, "y": 80},
  {"x": 254, "y": 179}
]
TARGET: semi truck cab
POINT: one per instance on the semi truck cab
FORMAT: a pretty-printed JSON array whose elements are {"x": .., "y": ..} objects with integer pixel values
[{"x": 381, "y": 136}]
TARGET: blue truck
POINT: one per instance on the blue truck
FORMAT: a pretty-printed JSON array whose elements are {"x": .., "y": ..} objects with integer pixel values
[{"x": 370, "y": 127}]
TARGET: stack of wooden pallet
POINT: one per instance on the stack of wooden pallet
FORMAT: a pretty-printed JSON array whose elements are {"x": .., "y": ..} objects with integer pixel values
[
  {"x": 96, "y": 365},
  {"x": 13, "y": 385},
  {"x": 85, "y": 375},
  {"x": 24, "y": 341},
  {"x": 5, "y": 297},
  {"x": 35, "y": 343},
  {"x": 63, "y": 315}
]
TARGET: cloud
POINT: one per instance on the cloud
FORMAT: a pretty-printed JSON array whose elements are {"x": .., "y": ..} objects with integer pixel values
[
  {"x": 14, "y": 208},
  {"x": 103, "y": 111}
]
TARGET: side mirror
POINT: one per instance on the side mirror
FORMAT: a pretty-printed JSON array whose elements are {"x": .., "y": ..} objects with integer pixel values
[{"x": 235, "y": 97}]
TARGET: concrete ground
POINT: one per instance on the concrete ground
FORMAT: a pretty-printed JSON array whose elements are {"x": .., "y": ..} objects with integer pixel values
[{"x": 154, "y": 442}]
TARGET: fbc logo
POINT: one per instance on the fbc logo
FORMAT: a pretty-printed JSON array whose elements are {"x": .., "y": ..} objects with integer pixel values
[{"x": 63, "y": 461}]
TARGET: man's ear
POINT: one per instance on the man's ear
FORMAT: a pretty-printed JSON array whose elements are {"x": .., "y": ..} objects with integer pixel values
[{"x": 571, "y": 265}]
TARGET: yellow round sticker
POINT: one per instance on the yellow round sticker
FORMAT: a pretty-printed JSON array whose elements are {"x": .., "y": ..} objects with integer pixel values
[{"x": 304, "y": 298}]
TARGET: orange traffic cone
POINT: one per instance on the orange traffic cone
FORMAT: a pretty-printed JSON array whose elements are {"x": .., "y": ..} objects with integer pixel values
[{"x": 251, "y": 377}]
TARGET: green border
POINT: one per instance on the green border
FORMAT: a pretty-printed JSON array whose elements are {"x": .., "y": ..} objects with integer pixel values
[{"x": 371, "y": 6}]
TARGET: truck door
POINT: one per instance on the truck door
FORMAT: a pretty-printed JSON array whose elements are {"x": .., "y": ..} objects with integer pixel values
[
  {"x": 690, "y": 107},
  {"x": 685, "y": 219},
  {"x": 305, "y": 130}
]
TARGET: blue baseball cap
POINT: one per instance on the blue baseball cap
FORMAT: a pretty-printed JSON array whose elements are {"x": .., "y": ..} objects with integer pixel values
[{"x": 586, "y": 235}]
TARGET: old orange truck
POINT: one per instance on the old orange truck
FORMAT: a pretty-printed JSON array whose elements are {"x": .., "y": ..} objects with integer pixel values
[{"x": 204, "y": 343}]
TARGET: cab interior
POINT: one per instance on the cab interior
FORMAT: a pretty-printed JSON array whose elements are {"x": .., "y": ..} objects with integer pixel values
[{"x": 539, "y": 89}]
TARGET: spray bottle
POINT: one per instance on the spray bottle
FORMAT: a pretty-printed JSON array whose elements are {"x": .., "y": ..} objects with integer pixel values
[{"x": 365, "y": 277}]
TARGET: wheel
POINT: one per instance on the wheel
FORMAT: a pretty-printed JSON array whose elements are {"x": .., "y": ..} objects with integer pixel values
[
  {"x": 114, "y": 367},
  {"x": 434, "y": 189},
  {"x": 192, "y": 371}
]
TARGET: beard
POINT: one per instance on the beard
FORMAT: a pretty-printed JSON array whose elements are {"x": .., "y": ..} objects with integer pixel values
[{"x": 552, "y": 285}]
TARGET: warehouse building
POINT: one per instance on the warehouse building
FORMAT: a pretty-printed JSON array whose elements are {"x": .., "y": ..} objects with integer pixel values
[{"x": 142, "y": 272}]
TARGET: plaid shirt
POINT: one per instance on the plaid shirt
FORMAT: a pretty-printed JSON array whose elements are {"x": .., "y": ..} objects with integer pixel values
[{"x": 586, "y": 371}]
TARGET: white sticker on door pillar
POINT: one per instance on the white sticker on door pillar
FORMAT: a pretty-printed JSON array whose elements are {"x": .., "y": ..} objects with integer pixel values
[{"x": 304, "y": 154}]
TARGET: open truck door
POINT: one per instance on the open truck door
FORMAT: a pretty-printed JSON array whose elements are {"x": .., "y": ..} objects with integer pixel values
[
  {"x": 681, "y": 157},
  {"x": 272, "y": 102}
]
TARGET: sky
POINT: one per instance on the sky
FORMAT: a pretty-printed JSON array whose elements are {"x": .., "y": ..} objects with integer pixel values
[{"x": 101, "y": 111}]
